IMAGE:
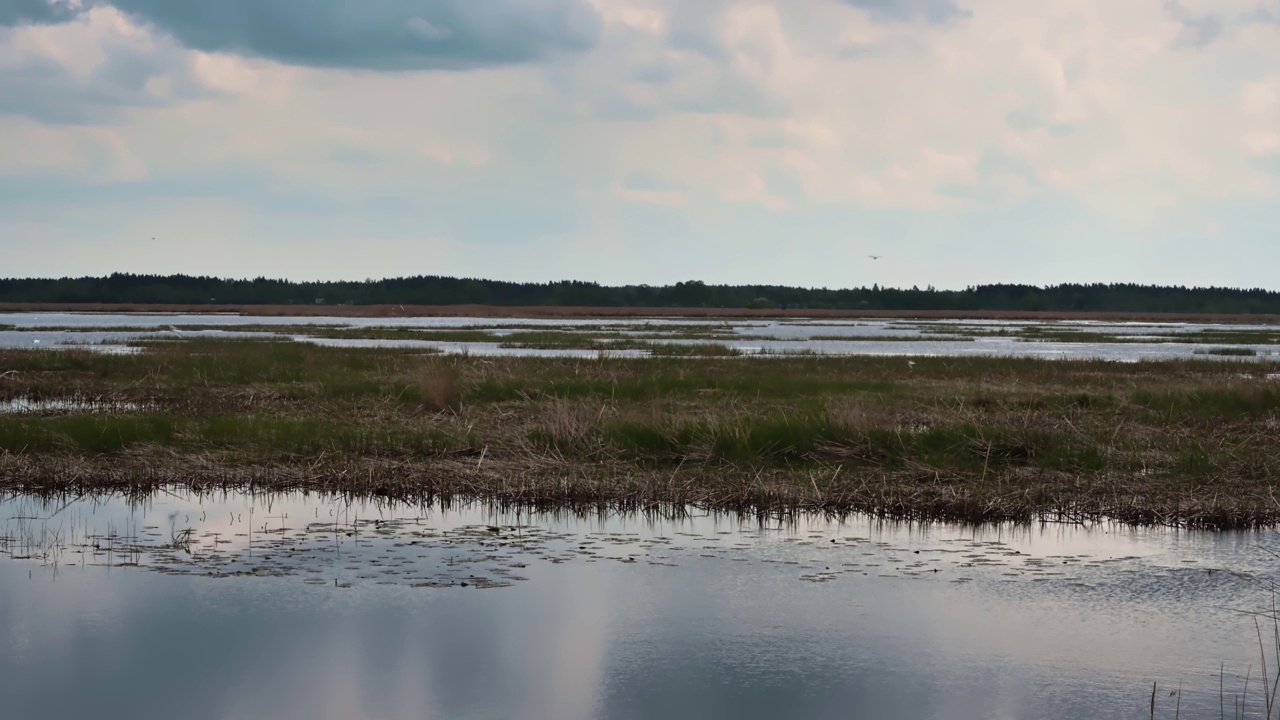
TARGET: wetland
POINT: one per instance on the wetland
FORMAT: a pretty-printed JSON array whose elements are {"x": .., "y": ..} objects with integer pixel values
[
  {"x": 1181, "y": 441},
  {"x": 495, "y": 518}
]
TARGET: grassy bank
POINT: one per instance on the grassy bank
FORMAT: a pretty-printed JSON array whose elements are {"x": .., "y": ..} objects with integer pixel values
[{"x": 978, "y": 439}]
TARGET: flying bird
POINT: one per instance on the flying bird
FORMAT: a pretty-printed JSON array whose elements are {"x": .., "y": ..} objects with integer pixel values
[{"x": 875, "y": 257}]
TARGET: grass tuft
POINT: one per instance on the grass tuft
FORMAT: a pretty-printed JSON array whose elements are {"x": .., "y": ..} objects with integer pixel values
[{"x": 439, "y": 389}]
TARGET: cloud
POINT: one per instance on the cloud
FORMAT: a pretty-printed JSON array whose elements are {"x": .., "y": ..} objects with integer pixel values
[
  {"x": 19, "y": 12},
  {"x": 362, "y": 34},
  {"x": 1198, "y": 31},
  {"x": 1263, "y": 15},
  {"x": 934, "y": 11},
  {"x": 1262, "y": 143},
  {"x": 721, "y": 125},
  {"x": 85, "y": 71},
  {"x": 699, "y": 58},
  {"x": 376, "y": 34}
]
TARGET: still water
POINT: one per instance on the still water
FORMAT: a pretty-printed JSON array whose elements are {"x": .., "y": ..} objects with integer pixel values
[
  {"x": 293, "y": 606},
  {"x": 1142, "y": 340}
]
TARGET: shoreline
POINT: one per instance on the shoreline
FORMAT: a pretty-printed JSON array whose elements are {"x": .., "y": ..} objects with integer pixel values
[
  {"x": 593, "y": 489},
  {"x": 498, "y": 311}
]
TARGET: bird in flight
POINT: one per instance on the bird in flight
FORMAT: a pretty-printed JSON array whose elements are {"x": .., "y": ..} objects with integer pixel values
[{"x": 875, "y": 257}]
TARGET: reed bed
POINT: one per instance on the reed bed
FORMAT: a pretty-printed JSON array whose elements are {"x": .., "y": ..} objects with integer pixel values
[{"x": 1188, "y": 443}]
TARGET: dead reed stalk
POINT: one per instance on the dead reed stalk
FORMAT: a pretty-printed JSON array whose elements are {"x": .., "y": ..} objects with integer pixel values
[{"x": 439, "y": 388}]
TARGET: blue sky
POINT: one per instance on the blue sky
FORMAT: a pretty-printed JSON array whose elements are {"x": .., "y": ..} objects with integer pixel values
[{"x": 644, "y": 141}]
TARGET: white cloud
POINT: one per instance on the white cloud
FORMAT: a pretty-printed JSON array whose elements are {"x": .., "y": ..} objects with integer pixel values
[{"x": 1262, "y": 143}]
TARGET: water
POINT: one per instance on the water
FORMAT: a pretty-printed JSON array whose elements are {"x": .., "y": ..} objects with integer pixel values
[
  {"x": 114, "y": 333},
  {"x": 26, "y": 405},
  {"x": 288, "y": 606}
]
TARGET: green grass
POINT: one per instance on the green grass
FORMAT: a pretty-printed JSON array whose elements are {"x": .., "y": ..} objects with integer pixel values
[
  {"x": 1231, "y": 402},
  {"x": 262, "y": 437},
  {"x": 1229, "y": 352},
  {"x": 927, "y": 337},
  {"x": 88, "y": 434},
  {"x": 691, "y": 350},
  {"x": 399, "y": 333}
]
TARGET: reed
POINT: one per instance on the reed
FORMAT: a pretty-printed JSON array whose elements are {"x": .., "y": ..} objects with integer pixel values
[
  {"x": 438, "y": 388},
  {"x": 1266, "y": 694}
]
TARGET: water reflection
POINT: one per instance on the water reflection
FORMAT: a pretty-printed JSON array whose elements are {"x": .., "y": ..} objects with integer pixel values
[{"x": 619, "y": 617}]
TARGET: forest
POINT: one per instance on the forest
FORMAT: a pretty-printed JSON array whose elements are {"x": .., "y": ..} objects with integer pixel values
[{"x": 438, "y": 290}]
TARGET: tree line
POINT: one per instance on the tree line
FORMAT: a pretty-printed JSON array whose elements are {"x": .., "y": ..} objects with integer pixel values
[{"x": 437, "y": 290}]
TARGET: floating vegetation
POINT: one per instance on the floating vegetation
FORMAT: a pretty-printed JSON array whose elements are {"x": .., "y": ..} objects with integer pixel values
[
  {"x": 399, "y": 545},
  {"x": 343, "y": 542}
]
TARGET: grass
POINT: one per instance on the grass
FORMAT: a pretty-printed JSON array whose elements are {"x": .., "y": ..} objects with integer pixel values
[
  {"x": 1229, "y": 352},
  {"x": 438, "y": 388},
  {"x": 400, "y": 333},
  {"x": 250, "y": 436},
  {"x": 695, "y": 349},
  {"x": 977, "y": 439},
  {"x": 926, "y": 337}
]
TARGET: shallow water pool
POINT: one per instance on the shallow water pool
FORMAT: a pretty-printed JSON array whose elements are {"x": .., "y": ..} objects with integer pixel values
[{"x": 295, "y": 606}]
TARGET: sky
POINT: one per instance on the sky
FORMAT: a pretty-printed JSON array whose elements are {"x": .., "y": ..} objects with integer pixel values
[{"x": 644, "y": 141}]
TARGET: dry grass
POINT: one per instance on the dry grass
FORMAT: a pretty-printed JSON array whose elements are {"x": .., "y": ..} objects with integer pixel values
[
  {"x": 439, "y": 389},
  {"x": 977, "y": 439}
]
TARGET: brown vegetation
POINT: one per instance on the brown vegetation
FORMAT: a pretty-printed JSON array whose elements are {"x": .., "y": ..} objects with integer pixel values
[
  {"x": 438, "y": 388},
  {"x": 977, "y": 439}
]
